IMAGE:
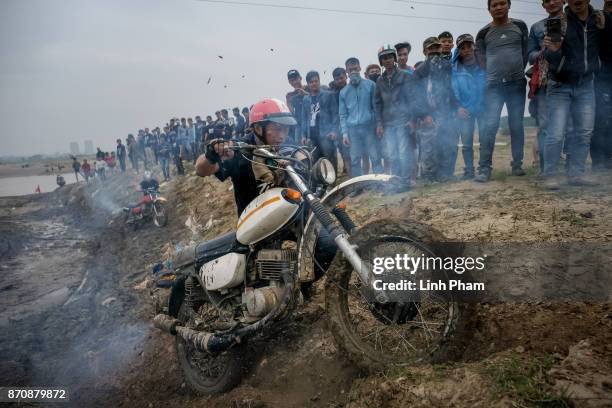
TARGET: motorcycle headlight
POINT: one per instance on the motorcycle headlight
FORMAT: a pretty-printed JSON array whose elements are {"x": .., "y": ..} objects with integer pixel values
[{"x": 324, "y": 172}]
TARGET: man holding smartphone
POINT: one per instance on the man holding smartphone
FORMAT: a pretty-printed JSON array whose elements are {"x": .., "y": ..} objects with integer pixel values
[
  {"x": 554, "y": 8},
  {"x": 570, "y": 91}
]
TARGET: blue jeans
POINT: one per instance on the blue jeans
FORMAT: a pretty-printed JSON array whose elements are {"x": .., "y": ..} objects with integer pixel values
[
  {"x": 399, "y": 149},
  {"x": 564, "y": 101},
  {"x": 466, "y": 132},
  {"x": 496, "y": 95},
  {"x": 601, "y": 144},
  {"x": 363, "y": 141},
  {"x": 448, "y": 136},
  {"x": 165, "y": 166}
]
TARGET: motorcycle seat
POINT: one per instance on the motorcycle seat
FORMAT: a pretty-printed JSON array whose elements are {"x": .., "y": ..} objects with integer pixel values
[{"x": 208, "y": 250}]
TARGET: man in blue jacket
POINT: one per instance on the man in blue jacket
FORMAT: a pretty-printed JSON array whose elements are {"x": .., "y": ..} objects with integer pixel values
[
  {"x": 357, "y": 119},
  {"x": 573, "y": 62},
  {"x": 320, "y": 119},
  {"x": 468, "y": 82}
]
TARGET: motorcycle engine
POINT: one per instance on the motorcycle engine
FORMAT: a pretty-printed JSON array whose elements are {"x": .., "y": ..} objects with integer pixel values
[{"x": 270, "y": 264}]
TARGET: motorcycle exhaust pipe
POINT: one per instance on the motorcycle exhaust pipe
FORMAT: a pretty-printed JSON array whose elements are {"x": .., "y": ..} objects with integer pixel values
[
  {"x": 215, "y": 343},
  {"x": 203, "y": 342}
]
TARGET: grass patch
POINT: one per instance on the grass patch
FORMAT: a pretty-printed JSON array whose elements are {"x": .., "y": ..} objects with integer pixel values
[
  {"x": 525, "y": 382},
  {"x": 499, "y": 175}
]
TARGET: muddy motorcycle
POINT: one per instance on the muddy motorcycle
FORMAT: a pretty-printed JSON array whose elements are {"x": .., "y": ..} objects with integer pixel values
[
  {"x": 150, "y": 208},
  {"x": 242, "y": 285}
]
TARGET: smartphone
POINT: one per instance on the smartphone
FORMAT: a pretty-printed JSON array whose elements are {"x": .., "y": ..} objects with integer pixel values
[{"x": 553, "y": 29}]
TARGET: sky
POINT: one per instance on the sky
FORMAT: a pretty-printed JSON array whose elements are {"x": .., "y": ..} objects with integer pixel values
[{"x": 72, "y": 70}]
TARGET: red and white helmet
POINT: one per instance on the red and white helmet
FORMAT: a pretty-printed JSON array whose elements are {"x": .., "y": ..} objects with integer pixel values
[{"x": 271, "y": 110}]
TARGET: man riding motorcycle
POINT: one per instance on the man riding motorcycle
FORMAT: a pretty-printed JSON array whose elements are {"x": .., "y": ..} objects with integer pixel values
[
  {"x": 148, "y": 182},
  {"x": 270, "y": 120}
]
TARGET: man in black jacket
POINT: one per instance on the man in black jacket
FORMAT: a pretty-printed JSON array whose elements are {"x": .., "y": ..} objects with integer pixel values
[{"x": 573, "y": 63}]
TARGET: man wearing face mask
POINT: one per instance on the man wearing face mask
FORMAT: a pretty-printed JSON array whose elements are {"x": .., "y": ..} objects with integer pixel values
[
  {"x": 372, "y": 72},
  {"x": 437, "y": 130},
  {"x": 357, "y": 119}
]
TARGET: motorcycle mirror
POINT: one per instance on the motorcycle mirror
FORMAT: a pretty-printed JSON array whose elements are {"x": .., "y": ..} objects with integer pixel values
[{"x": 324, "y": 171}]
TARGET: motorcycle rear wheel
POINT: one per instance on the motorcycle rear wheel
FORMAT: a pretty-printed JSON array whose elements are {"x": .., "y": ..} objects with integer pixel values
[
  {"x": 208, "y": 374},
  {"x": 375, "y": 336}
]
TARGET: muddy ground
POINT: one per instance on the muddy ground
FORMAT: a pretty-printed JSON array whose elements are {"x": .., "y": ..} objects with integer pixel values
[{"x": 75, "y": 309}]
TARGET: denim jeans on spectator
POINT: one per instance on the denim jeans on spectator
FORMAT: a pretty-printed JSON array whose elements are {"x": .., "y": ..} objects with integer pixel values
[
  {"x": 448, "y": 137},
  {"x": 542, "y": 121},
  {"x": 466, "y": 132},
  {"x": 165, "y": 166},
  {"x": 601, "y": 145},
  {"x": 496, "y": 95},
  {"x": 576, "y": 100},
  {"x": 363, "y": 141},
  {"x": 400, "y": 149}
]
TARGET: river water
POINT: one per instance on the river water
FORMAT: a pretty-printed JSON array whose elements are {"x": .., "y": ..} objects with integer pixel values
[{"x": 16, "y": 186}]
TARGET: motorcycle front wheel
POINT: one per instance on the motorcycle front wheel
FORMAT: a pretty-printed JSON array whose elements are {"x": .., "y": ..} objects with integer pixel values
[
  {"x": 374, "y": 335},
  {"x": 160, "y": 217},
  {"x": 205, "y": 373}
]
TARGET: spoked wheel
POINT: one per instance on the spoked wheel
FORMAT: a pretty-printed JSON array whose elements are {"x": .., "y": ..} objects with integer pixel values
[
  {"x": 206, "y": 373},
  {"x": 160, "y": 217},
  {"x": 408, "y": 328}
]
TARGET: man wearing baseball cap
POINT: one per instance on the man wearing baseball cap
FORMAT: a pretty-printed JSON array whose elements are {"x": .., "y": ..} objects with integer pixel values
[
  {"x": 468, "y": 81},
  {"x": 295, "y": 100},
  {"x": 437, "y": 134},
  {"x": 446, "y": 39}
]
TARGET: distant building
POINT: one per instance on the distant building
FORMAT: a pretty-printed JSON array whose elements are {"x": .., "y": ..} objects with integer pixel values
[
  {"x": 89, "y": 149},
  {"x": 74, "y": 149}
]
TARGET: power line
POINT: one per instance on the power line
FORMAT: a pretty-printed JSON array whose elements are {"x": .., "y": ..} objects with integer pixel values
[
  {"x": 368, "y": 13},
  {"x": 431, "y": 3}
]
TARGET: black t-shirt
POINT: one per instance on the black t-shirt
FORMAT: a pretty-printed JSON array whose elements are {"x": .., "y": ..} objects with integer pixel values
[
  {"x": 147, "y": 184},
  {"x": 240, "y": 170}
]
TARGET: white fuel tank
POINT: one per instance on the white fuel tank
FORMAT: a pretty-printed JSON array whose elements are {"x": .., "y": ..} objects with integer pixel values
[
  {"x": 224, "y": 272},
  {"x": 265, "y": 215}
]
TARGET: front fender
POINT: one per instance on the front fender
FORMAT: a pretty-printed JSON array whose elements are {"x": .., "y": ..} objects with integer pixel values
[
  {"x": 160, "y": 200},
  {"x": 306, "y": 265}
]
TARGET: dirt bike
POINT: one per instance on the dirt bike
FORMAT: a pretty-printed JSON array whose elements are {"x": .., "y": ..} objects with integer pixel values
[
  {"x": 241, "y": 285},
  {"x": 150, "y": 207}
]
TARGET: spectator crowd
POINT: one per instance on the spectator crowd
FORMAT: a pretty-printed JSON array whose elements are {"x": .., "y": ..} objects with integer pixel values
[{"x": 409, "y": 120}]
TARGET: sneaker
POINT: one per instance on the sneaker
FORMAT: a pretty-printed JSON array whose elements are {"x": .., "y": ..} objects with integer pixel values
[
  {"x": 518, "y": 172},
  {"x": 468, "y": 174},
  {"x": 483, "y": 177},
  {"x": 580, "y": 182},
  {"x": 551, "y": 183}
]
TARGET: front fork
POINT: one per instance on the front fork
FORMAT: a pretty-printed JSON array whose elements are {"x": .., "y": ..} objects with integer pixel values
[{"x": 337, "y": 232}]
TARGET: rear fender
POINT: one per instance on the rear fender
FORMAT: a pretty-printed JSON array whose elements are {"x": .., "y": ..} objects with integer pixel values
[{"x": 306, "y": 255}]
